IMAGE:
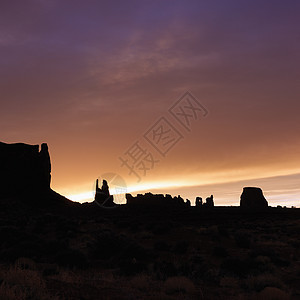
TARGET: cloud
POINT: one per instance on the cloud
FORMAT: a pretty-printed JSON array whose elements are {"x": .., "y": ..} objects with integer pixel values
[{"x": 92, "y": 71}]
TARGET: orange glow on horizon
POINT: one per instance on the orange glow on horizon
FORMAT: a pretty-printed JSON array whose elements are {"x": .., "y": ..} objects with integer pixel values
[
  {"x": 174, "y": 188},
  {"x": 93, "y": 94}
]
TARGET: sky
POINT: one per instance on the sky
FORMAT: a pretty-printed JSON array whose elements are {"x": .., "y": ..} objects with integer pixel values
[{"x": 182, "y": 97}]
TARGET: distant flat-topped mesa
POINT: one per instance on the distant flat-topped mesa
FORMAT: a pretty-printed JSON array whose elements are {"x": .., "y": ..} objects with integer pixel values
[
  {"x": 253, "y": 198},
  {"x": 160, "y": 200},
  {"x": 24, "y": 169}
]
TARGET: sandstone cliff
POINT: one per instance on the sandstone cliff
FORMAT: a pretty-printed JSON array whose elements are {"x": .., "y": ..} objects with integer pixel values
[{"x": 24, "y": 169}]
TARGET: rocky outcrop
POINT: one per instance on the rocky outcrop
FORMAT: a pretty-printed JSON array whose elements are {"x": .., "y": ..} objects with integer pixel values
[
  {"x": 102, "y": 196},
  {"x": 198, "y": 202},
  {"x": 253, "y": 198},
  {"x": 24, "y": 169},
  {"x": 155, "y": 200},
  {"x": 209, "y": 203}
]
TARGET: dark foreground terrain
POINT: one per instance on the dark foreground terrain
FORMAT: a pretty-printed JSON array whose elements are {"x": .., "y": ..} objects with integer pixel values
[{"x": 129, "y": 253}]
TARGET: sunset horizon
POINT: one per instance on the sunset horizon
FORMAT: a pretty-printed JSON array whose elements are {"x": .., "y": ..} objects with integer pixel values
[
  {"x": 149, "y": 149},
  {"x": 207, "y": 92}
]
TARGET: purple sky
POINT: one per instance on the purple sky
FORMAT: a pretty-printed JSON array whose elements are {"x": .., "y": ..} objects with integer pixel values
[{"x": 90, "y": 78}]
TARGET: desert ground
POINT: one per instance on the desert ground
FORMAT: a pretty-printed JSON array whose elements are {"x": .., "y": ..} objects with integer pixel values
[{"x": 85, "y": 252}]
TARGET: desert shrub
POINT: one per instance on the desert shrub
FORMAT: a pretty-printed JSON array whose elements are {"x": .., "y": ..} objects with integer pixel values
[
  {"x": 69, "y": 276},
  {"x": 55, "y": 247},
  {"x": 184, "y": 269},
  {"x": 202, "y": 230},
  {"x": 261, "y": 251},
  {"x": 179, "y": 285},
  {"x": 223, "y": 231},
  {"x": 66, "y": 225},
  {"x": 50, "y": 270},
  {"x": 25, "y": 263},
  {"x": 263, "y": 260},
  {"x": 258, "y": 283},
  {"x": 275, "y": 257},
  {"x": 160, "y": 228},
  {"x": 180, "y": 247},
  {"x": 212, "y": 276},
  {"x": 213, "y": 231},
  {"x": 43, "y": 223},
  {"x": 220, "y": 251},
  {"x": 295, "y": 243},
  {"x": 8, "y": 292},
  {"x": 107, "y": 245},
  {"x": 122, "y": 224},
  {"x": 161, "y": 246},
  {"x": 130, "y": 267},
  {"x": 272, "y": 293},
  {"x": 131, "y": 259},
  {"x": 264, "y": 264},
  {"x": 134, "y": 226},
  {"x": 240, "y": 267},
  {"x": 30, "y": 249},
  {"x": 10, "y": 235},
  {"x": 136, "y": 251},
  {"x": 199, "y": 266},
  {"x": 146, "y": 235},
  {"x": 242, "y": 240},
  {"x": 229, "y": 282},
  {"x": 23, "y": 284},
  {"x": 141, "y": 282},
  {"x": 164, "y": 269},
  {"x": 15, "y": 243},
  {"x": 21, "y": 277},
  {"x": 279, "y": 260},
  {"x": 71, "y": 258}
]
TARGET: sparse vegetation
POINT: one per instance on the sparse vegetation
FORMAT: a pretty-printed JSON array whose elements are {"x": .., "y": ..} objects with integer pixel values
[
  {"x": 203, "y": 256},
  {"x": 179, "y": 285}
]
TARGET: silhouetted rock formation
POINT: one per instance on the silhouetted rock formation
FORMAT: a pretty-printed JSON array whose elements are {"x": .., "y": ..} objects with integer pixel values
[
  {"x": 253, "y": 198},
  {"x": 102, "y": 196},
  {"x": 150, "y": 199},
  {"x": 179, "y": 200},
  {"x": 25, "y": 176},
  {"x": 209, "y": 203},
  {"x": 198, "y": 202},
  {"x": 46, "y": 165},
  {"x": 105, "y": 188},
  {"x": 24, "y": 169}
]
